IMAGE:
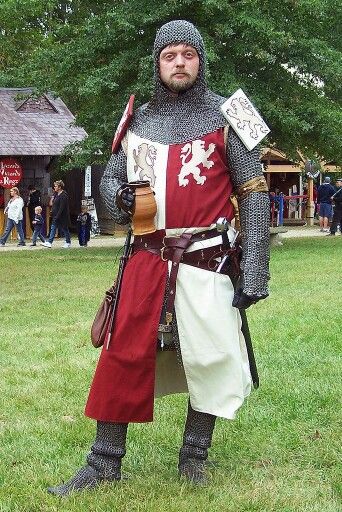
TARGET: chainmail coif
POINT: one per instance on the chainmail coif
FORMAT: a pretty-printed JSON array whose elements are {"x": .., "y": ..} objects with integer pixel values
[
  {"x": 171, "y": 119},
  {"x": 173, "y": 33}
]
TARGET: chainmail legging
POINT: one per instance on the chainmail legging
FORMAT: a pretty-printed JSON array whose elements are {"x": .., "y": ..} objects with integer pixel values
[
  {"x": 108, "y": 449},
  {"x": 104, "y": 460},
  {"x": 198, "y": 432}
]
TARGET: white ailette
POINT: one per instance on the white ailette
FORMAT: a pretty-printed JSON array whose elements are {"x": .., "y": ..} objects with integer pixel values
[{"x": 244, "y": 119}]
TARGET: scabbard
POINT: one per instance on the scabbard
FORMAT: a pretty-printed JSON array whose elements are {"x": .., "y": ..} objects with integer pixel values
[
  {"x": 247, "y": 335},
  {"x": 116, "y": 297}
]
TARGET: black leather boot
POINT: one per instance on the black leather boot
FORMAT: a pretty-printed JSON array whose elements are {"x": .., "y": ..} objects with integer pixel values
[
  {"x": 198, "y": 432},
  {"x": 104, "y": 460}
]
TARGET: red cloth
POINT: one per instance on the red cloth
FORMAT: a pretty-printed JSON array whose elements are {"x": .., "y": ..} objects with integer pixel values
[
  {"x": 123, "y": 386},
  {"x": 198, "y": 204}
]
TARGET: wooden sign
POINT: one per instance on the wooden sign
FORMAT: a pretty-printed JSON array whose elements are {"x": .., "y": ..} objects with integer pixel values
[{"x": 11, "y": 172}]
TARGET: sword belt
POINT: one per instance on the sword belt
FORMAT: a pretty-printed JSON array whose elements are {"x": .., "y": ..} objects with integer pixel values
[{"x": 171, "y": 248}]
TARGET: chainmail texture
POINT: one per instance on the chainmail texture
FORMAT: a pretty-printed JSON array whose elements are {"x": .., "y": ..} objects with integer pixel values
[
  {"x": 170, "y": 119},
  {"x": 198, "y": 432},
  {"x": 254, "y": 217},
  {"x": 85, "y": 478},
  {"x": 108, "y": 449},
  {"x": 113, "y": 177},
  {"x": 173, "y": 33},
  {"x": 104, "y": 460}
]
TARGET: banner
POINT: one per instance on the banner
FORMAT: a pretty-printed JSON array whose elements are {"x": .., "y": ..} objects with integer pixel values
[
  {"x": 90, "y": 204},
  {"x": 87, "y": 182}
]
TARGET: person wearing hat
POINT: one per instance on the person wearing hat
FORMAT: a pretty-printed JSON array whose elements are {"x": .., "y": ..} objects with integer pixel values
[
  {"x": 324, "y": 194},
  {"x": 337, "y": 217},
  {"x": 180, "y": 141}
]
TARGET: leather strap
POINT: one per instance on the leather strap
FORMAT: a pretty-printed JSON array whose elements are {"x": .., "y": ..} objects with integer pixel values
[
  {"x": 173, "y": 249},
  {"x": 257, "y": 184},
  {"x": 179, "y": 245}
]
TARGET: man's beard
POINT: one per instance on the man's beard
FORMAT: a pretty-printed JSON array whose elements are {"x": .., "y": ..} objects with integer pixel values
[{"x": 180, "y": 85}]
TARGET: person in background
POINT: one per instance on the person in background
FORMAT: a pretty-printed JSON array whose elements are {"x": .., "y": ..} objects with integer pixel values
[
  {"x": 37, "y": 222},
  {"x": 14, "y": 211},
  {"x": 324, "y": 194},
  {"x": 60, "y": 215},
  {"x": 337, "y": 217},
  {"x": 34, "y": 200},
  {"x": 84, "y": 227}
]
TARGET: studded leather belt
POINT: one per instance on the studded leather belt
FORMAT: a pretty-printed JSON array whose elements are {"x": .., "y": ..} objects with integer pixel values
[{"x": 171, "y": 248}]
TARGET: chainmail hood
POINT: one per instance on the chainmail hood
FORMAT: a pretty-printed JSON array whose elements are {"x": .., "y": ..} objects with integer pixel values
[
  {"x": 171, "y": 119},
  {"x": 179, "y": 32}
]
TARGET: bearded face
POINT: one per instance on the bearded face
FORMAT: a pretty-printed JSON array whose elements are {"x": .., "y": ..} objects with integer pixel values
[{"x": 178, "y": 67}]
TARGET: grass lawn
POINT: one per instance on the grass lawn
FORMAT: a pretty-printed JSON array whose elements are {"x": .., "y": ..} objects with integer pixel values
[{"x": 282, "y": 454}]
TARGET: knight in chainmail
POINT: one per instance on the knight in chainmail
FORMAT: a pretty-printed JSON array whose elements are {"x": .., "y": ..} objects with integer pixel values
[{"x": 181, "y": 120}]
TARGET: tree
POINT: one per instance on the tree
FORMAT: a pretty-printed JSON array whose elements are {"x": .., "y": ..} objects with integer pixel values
[{"x": 286, "y": 56}]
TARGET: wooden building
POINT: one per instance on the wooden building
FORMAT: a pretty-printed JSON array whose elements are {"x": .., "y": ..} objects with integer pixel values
[
  {"x": 33, "y": 131},
  {"x": 287, "y": 176}
]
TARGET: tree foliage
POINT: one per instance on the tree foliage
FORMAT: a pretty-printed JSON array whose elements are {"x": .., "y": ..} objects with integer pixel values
[{"x": 285, "y": 54}]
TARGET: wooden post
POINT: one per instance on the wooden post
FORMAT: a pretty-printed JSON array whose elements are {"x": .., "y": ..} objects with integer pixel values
[
  {"x": 2, "y": 221},
  {"x": 310, "y": 209},
  {"x": 28, "y": 229}
]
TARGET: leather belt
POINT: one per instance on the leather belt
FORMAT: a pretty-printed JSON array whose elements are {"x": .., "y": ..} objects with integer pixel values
[{"x": 171, "y": 248}]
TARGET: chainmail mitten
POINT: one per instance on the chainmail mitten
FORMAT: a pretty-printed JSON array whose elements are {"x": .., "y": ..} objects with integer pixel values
[
  {"x": 198, "y": 432},
  {"x": 125, "y": 198},
  {"x": 104, "y": 460},
  {"x": 114, "y": 176}
]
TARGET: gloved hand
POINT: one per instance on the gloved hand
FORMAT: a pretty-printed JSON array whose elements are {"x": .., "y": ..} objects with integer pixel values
[
  {"x": 243, "y": 301},
  {"x": 125, "y": 198}
]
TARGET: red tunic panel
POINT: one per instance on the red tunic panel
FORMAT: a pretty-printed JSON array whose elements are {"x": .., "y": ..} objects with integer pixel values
[
  {"x": 123, "y": 386},
  {"x": 198, "y": 184}
]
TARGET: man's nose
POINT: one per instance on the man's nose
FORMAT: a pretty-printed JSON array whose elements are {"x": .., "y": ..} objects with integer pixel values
[{"x": 180, "y": 61}]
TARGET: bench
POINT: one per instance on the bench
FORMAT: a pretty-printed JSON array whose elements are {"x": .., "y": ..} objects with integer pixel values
[{"x": 275, "y": 235}]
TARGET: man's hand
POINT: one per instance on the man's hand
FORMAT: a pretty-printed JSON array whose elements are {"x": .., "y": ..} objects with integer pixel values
[
  {"x": 243, "y": 301},
  {"x": 125, "y": 198}
]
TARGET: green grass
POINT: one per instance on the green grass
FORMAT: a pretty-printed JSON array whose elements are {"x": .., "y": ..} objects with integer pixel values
[{"x": 282, "y": 454}]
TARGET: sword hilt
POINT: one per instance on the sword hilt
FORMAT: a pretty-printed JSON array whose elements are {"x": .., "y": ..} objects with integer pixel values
[{"x": 222, "y": 226}]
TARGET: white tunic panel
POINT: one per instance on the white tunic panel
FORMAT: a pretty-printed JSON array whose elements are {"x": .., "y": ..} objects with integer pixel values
[
  {"x": 213, "y": 348},
  {"x": 147, "y": 161}
]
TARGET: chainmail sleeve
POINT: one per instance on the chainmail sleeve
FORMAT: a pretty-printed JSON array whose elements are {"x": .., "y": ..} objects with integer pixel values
[
  {"x": 113, "y": 177},
  {"x": 254, "y": 218}
]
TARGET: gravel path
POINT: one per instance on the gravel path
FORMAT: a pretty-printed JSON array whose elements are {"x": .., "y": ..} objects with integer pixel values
[
  {"x": 98, "y": 241},
  {"x": 302, "y": 231}
]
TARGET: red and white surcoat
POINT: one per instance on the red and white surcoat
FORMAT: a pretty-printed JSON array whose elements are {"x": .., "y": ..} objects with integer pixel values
[{"x": 192, "y": 187}]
